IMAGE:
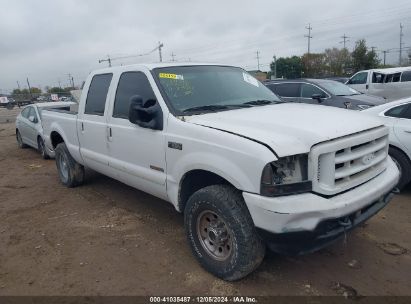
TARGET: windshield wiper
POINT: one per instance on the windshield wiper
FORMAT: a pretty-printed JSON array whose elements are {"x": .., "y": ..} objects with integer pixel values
[{"x": 261, "y": 102}]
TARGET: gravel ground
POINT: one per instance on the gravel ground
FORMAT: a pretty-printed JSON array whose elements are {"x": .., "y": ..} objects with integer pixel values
[{"x": 106, "y": 238}]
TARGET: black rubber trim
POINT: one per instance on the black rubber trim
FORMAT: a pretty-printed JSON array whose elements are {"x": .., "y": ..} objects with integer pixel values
[{"x": 326, "y": 232}]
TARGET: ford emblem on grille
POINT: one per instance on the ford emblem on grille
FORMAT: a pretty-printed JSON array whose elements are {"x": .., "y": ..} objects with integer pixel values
[{"x": 368, "y": 158}]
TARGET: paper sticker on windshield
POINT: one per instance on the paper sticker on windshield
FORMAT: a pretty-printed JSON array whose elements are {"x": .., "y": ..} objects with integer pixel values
[
  {"x": 171, "y": 76},
  {"x": 250, "y": 79}
]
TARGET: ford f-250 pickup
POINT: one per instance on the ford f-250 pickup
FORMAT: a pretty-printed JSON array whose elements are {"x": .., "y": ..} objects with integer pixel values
[{"x": 246, "y": 169}]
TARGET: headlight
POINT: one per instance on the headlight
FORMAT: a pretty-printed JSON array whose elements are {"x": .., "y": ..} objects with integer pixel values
[
  {"x": 288, "y": 175},
  {"x": 363, "y": 107}
]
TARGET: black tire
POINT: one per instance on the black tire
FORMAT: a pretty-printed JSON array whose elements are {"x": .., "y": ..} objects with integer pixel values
[
  {"x": 403, "y": 164},
  {"x": 71, "y": 173},
  {"x": 10, "y": 106},
  {"x": 20, "y": 142},
  {"x": 247, "y": 249},
  {"x": 41, "y": 147}
]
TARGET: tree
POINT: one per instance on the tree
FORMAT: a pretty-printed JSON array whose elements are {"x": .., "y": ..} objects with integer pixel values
[
  {"x": 54, "y": 90},
  {"x": 337, "y": 61},
  {"x": 35, "y": 90},
  {"x": 363, "y": 58},
  {"x": 314, "y": 65},
  {"x": 289, "y": 67}
]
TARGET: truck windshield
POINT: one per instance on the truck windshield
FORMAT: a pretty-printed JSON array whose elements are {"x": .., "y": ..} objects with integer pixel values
[{"x": 211, "y": 88}]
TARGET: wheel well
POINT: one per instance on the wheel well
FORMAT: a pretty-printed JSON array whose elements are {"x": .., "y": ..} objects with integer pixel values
[
  {"x": 195, "y": 180},
  {"x": 56, "y": 139},
  {"x": 401, "y": 151}
]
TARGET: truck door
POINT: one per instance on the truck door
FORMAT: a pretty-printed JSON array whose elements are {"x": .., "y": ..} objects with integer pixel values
[
  {"x": 359, "y": 82},
  {"x": 92, "y": 124},
  {"x": 137, "y": 154}
]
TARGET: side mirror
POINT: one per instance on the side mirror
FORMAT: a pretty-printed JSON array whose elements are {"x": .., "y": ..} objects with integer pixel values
[
  {"x": 317, "y": 97},
  {"x": 146, "y": 114},
  {"x": 32, "y": 119}
]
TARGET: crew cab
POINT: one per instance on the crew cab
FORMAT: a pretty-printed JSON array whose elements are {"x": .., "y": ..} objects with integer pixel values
[{"x": 246, "y": 169}]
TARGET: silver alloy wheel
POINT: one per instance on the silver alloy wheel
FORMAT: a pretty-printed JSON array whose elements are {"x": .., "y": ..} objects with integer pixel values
[
  {"x": 214, "y": 235},
  {"x": 63, "y": 166}
]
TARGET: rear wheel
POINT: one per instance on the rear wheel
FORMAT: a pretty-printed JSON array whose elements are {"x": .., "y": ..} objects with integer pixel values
[
  {"x": 19, "y": 139},
  {"x": 71, "y": 173},
  {"x": 42, "y": 148},
  {"x": 403, "y": 164},
  {"x": 221, "y": 232}
]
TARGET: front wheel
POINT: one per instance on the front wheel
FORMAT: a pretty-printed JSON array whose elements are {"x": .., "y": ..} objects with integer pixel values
[
  {"x": 42, "y": 148},
  {"x": 71, "y": 172},
  {"x": 221, "y": 232},
  {"x": 19, "y": 139},
  {"x": 404, "y": 166}
]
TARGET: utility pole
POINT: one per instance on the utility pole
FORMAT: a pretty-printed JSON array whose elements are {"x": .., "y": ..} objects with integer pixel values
[
  {"x": 108, "y": 60},
  {"x": 28, "y": 83},
  {"x": 160, "y": 45},
  {"x": 309, "y": 28},
  {"x": 71, "y": 80},
  {"x": 385, "y": 54},
  {"x": 258, "y": 60},
  {"x": 275, "y": 66},
  {"x": 345, "y": 40},
  {"x": 18, "y": 85},
  {"x": 173, "y": 57},
  {"x": 373, "y": 48},
  {"x": 401, "y": 44}
]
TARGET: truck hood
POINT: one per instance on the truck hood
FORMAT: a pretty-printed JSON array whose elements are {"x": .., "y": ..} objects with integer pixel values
[{"x": 288, "y": 128}]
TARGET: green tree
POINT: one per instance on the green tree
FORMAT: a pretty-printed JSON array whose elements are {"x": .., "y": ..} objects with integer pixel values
[
  {"x": 289, "y": 67},
  {"x": 363, "y": 58},
  {"x": 54, "y": 90},
  {"x": 314, "y": 65},
  {"x": 35, "y": 90},
  {"x": 337, "y": 61}
]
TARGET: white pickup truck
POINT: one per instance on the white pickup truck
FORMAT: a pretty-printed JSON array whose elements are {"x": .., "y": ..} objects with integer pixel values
[{"x": 246, "y": 169}]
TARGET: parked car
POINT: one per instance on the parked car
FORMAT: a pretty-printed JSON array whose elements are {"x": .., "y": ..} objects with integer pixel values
[
  {"x": 29, "y": 127},
  {"x": 7, "y": 102},
  {"x": 397, "y": 116},
  {"x": 324, "y": 92},
  {"x": 339, "y": 79},
  {"x": 247, "y": 169},
  {"x": 391, "y": 84}
]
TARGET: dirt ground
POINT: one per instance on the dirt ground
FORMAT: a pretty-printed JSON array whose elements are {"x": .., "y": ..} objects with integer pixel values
[{"x": 106, "y": 238}]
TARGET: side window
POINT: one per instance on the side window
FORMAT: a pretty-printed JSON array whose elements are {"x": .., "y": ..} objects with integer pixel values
[
  {"x": 130, "y": 84},
  {"x": 377, "y": 77},
  {"x": 393, "y": 77},
  {"x": 97, "y": 94},
  {"x": 360, "y": 78},
  {"x": 286, "y": 89},
  {"x": 399, "y": 112},
  {"x": 406, "y": 76},
  {"x": 25, "y": 112},
  {"x": 308, "y": 90},
  {"x": 33, "y": 113}
]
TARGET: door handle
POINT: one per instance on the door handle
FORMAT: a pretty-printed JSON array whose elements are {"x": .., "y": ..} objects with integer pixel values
[
  {"x": 82, "y": 126},
  {"x": 109, "y": 133}
]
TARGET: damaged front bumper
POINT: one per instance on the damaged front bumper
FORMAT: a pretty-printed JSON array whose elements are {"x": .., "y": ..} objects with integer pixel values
[{"x": 306, "y": 222}]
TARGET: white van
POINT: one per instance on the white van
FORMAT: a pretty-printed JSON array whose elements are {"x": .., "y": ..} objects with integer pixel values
[{"x": 392, "y": 83}]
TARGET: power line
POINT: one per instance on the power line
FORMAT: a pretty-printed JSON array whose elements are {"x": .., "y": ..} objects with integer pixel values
[{"x": 309, "y": 28}]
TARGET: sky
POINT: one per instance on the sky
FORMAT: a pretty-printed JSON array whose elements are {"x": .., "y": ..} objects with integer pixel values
[{"x": 45, "y": 40}]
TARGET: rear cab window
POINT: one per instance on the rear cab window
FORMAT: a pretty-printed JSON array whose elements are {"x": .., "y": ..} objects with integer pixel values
[{"x": 97, "y": 94}]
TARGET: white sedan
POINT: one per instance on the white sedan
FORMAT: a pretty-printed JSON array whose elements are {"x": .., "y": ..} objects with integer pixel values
[
  {"x": 29, "y": 128},
  {"x": 397, "y": 116}
]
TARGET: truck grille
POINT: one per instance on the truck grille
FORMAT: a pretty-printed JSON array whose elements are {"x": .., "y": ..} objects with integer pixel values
[{"x": 347, "y": 162}]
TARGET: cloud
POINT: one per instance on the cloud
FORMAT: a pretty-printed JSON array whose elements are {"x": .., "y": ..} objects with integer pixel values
[{"x": 45, "y": 40}]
